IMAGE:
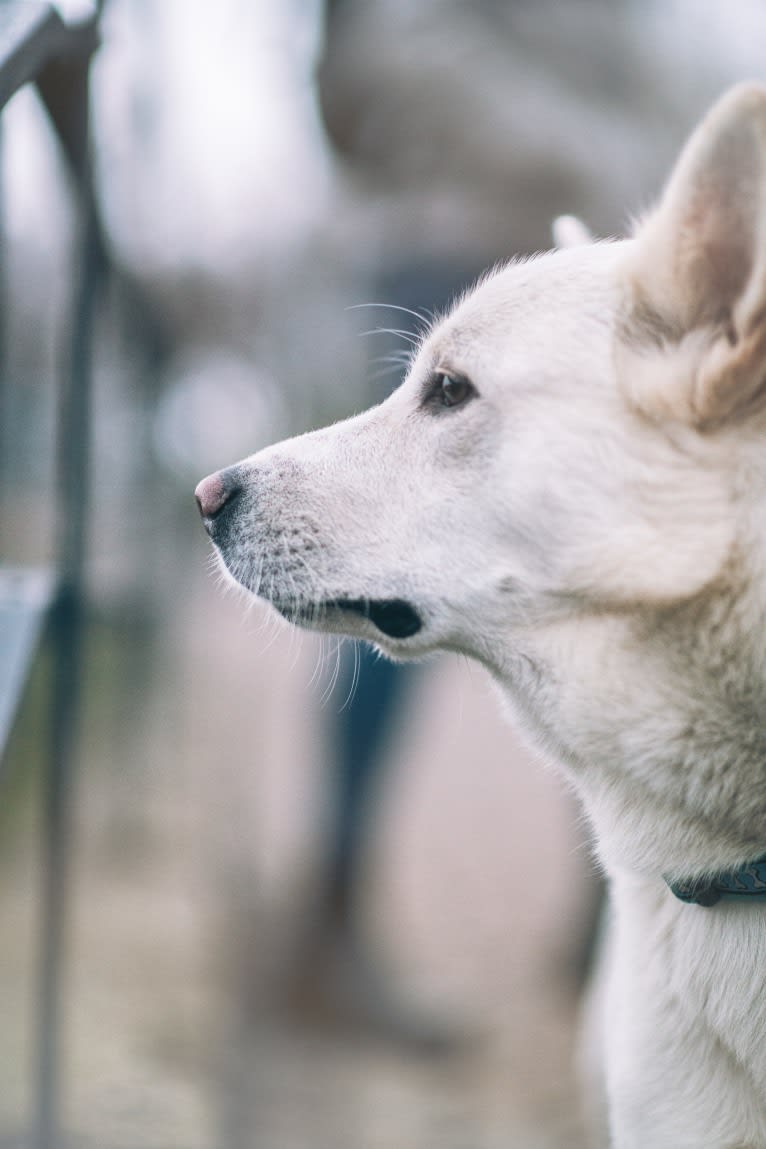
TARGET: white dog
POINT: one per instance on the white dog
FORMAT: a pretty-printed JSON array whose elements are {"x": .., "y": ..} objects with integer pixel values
[{"x": 570, "y": 486}]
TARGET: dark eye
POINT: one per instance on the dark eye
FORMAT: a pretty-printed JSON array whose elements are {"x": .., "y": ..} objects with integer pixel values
[{"x": 449, "y": 391}]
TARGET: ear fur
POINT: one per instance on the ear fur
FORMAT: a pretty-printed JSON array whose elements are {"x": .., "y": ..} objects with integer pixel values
[{"x": 695, "y": 326}]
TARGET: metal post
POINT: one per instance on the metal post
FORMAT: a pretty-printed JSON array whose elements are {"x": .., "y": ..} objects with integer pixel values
[
  {"x": 4, "y": 407},
  {"x": 67, "y": 636}
]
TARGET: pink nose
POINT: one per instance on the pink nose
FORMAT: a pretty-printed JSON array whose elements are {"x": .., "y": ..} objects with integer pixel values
[{"x": 211, "y": 495}]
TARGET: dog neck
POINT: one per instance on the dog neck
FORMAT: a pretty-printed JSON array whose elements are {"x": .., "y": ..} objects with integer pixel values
[{"x": 658, "y": 721}]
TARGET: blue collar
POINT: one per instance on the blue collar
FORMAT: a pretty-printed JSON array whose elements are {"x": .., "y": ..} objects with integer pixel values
[{"x": 748, "y": 882}]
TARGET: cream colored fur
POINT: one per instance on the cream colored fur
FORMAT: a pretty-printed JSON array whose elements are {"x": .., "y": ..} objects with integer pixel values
[{"x": 590, "y": 524}]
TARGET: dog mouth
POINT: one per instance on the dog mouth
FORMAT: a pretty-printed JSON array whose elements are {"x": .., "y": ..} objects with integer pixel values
[{"x": 393, "y": 617}]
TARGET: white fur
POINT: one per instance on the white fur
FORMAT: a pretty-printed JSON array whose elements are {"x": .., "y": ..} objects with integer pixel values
[{"x": 591, "y": 526}]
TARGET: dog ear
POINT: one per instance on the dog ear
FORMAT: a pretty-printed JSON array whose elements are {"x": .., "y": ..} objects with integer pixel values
[
  {"x": 569, "y": 231},
  {"x": 697, "y": 269}
]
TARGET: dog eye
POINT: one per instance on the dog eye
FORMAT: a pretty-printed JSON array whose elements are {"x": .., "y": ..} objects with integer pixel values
[{"x": 449, "y": 391}]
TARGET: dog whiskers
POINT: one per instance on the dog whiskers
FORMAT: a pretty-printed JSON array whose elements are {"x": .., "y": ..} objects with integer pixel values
[
  {"x": 399, "y": 332},
  {"x": 354, "y": 679},
  {"x": 329, "y": 689},
  {"x": 425, "y": 317}
]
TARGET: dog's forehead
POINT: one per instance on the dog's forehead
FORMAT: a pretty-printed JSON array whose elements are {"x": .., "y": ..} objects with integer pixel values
[{"x": 551, "y": 297}]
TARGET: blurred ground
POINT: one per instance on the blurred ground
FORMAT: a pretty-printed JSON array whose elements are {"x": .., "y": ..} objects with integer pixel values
[{"x": 199, "y": 823}]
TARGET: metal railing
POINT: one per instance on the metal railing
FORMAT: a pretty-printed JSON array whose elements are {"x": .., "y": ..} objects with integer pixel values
[{"x": 38, "y": 47}]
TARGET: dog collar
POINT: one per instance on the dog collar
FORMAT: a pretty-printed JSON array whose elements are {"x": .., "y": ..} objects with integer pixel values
[{"x": 747, "y": 882}]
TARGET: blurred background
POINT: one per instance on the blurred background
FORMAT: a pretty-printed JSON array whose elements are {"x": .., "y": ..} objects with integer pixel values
[{"x": 301, "y": 912}]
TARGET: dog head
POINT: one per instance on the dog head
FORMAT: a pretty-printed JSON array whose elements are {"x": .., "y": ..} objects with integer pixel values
[
  {"x": 566, "y": 434},
  {"x": 576, "y": 453}
]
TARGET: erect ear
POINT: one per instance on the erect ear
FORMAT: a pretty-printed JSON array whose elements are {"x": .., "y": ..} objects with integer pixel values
[
  {"x": 570, "y": 231},
  {"x": 696, "y": 314}
]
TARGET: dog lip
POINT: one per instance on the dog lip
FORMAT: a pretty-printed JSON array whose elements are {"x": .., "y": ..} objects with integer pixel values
[{"x": 394, "y": 617}]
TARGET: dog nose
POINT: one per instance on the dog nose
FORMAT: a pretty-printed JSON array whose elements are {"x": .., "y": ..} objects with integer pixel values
[{"x": 214, "y": 492}]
